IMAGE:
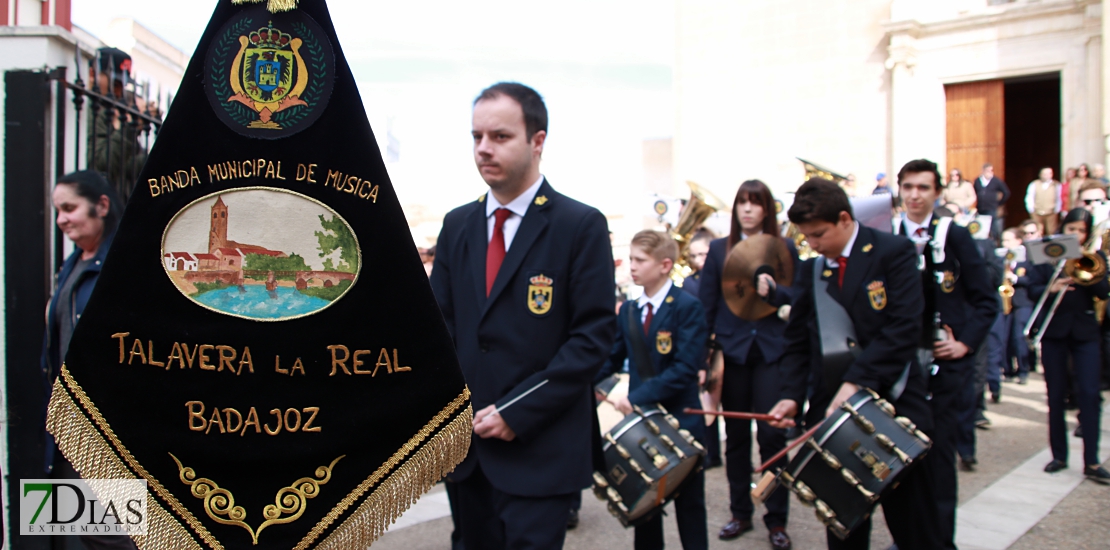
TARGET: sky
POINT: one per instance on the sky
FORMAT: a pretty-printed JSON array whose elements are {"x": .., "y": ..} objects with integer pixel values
[{"x": 604, "y": 68}]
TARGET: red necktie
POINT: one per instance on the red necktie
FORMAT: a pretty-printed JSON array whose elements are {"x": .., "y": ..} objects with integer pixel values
[
  {"x": 647, "y": 319},
  {"x": 920, "y": 232},
  {"x": 843, "y": 262},
  {"x": 495, "y": 252}
]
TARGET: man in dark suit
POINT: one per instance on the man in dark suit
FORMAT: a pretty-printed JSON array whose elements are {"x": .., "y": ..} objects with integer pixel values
[
  {"x": 669, "y": 328},
  {"x": 990, "y": 194},
  {"x": 873, "y": 275},
  {"x": 960, "y": 306},
  {"x": 524, "y": 277}
]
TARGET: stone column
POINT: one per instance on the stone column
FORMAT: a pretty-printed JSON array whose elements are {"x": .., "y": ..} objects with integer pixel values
[{"x": 1105, "y": 83}]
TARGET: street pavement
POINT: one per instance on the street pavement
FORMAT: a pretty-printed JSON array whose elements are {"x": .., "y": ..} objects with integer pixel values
[{"x": 1007, "y": 502}]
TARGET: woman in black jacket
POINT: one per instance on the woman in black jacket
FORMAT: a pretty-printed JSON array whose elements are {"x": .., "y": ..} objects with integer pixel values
[
  {"x": 751, "y": 350},
  {"x": 1072, "y": 333}
]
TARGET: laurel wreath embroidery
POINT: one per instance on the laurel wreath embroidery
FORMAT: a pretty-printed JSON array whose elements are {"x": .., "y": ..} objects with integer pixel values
[
  {"x": 243, "y": 115},
  {"x": 219, "y": 502}
]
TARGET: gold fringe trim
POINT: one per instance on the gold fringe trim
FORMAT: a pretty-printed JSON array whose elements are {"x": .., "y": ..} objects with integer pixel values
[
  {"x": 409, "y": 480},
  {"x": 274, "y": 6},
  {"x": 91, "y": 455}
]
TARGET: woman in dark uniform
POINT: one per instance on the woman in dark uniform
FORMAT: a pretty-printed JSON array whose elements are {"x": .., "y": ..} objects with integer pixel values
[
  {"x": 1072, "y": 333},
  {"x": 751, "y": 350}
]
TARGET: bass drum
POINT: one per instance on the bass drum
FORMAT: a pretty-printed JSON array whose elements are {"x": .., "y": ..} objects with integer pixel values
[
  {"x": 647, "y": 457},
  {"x": 857, "y": 455}
]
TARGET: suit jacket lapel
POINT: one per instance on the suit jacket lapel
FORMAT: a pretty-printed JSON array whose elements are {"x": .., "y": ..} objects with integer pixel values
[
  {"x": 531, "y": 226},
  {"x": 477, "y": 243},
  {"x": 859, "y": 263}
]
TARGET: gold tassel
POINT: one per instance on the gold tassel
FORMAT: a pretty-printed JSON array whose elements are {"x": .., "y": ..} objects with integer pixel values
[
  {"x": 400, "y": 490},
  {"x": 275, "y": 6},
  {"x": 92, "y": 456},
  {"x": 86, "y": 439}
]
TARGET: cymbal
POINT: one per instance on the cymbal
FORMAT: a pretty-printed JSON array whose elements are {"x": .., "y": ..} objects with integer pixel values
[{"x": 758, "y": 254}]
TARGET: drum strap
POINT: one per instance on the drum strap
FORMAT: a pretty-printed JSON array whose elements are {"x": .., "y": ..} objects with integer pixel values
[
  {"x": 839, "y": 346},
  {"x": 838, "y": 334},
  {"x": 641, "y": 354}
]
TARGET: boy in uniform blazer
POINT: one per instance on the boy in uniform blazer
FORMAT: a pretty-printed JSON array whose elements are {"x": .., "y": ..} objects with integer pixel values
[
  {"x": 957, "y": 290},
  {"x": 672, "y": 324},
  {"x": 874, "y": 276}
]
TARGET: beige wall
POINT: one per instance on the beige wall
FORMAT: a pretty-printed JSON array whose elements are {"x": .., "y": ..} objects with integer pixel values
[
  {"x": 759, "y": 83},
  {"x": 858, "y": 85}
]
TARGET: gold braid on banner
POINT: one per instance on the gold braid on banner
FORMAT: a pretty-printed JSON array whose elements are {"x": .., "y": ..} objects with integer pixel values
[
  {"x": 274, "y": 6},
  {"x": 85, "y": 438}
]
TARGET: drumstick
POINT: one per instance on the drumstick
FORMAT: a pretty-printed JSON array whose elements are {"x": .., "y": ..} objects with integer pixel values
[
  {"x": 521, "y": 396},
  {"x": 789, "y": 447},
  {"x": 730, "y": 414}
]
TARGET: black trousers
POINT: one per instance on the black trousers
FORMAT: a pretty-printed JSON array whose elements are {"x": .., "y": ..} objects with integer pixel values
[
  {"x": 689, "y": 509},
  {"x": 752, "y": 387},
  {"x": 1085, "y": 358},
  {"x": 495, "y": 520},
  {"x": 951, "y": 397},
  {"x": 1105, "y": 355},
  {"x": 909, "y": 509},
  {"x": 452, "y": 490}
]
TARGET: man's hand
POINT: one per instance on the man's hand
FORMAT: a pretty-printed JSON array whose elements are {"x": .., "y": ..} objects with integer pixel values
[
  {"x": 623, "y": 405},
  {"x": 1062, "y": 284},
  {"x": 784, "y": 412},
  {"x": 847, "y": 389},
  {"x": 488, "y": 423},
  {"x": 950, "y": 349},
  {"x": 766, "y": 285}
]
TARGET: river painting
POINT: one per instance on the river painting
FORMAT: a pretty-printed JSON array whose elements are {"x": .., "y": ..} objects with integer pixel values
[{"x": 261, "y": 253}]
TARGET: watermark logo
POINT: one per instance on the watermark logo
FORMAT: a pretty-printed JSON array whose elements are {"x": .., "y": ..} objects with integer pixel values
[{"x": 82, "y": 507}]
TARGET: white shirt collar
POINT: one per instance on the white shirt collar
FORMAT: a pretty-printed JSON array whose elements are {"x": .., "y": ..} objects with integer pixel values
[
  {"x": 744, "y": 236},
  {"x": 518, "y": 205},
  {"x": 831, "y": 262},
  {"x": 912, "y": 227},
  {"x": 656, "y": 299}
]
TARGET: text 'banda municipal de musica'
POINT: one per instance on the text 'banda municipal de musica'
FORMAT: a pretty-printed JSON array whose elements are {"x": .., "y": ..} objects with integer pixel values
[{"x": 309, "y": 174}]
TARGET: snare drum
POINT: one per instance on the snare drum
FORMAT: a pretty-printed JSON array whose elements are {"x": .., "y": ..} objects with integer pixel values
[
  {"x": 647, "y": 457},
  {"x": 856, "y": 456}
]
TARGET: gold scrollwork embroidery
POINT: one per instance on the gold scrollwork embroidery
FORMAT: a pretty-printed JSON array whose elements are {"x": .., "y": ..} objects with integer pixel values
[{"x": 219, "y": 502}]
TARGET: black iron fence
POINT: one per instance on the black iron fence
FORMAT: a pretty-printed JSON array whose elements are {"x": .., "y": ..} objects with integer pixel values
[{"x": 123, "y": 119}]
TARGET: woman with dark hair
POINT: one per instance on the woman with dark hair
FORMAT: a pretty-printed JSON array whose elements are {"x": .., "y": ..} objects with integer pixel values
[
  {"x": 1073, "y": 181},
  {"x": 751, "y": 351},
  {"x": 88, "y": 211},
  {"x": 1073, "y": 333}
]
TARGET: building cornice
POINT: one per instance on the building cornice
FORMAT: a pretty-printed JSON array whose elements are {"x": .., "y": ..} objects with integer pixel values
[
  {"x": 46, "y": 31},
  {"x": 993, "y": 16}
]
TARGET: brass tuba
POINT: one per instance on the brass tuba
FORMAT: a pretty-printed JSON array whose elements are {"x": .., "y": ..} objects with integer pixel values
[{"x": 701, "y": 205}]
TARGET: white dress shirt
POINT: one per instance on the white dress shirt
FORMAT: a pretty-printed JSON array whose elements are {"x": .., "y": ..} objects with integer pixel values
[
  {"x": 832, "y": 262},
  {"x": 912, "y": 227},
  {"x": 656, "y": 301},
  {"x": 518, "y": 207}
]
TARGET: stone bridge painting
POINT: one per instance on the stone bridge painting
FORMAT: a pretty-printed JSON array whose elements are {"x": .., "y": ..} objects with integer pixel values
[{"x": 261, "y": 253}]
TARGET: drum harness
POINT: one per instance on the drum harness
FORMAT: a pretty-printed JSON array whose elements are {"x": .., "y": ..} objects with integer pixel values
[
  {"x": 936, "y": 247},
  {"x": 839, "y": 347},
  {"x": 641, "y": 354}
]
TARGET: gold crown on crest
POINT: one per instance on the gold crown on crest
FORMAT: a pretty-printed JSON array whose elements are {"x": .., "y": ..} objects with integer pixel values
[
  {"x": 541, "y": 280},
  {"x": 875, "y": 285},
  {"x": 269, "y": 37}
]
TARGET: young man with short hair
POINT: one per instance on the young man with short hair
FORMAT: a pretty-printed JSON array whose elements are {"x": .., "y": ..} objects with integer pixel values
[
  {"x": 524, "y": 278},
  {"x": 873, "y": 275},
  {"x": 667, "y": 326},
  {"x": 960, "y": 306}
]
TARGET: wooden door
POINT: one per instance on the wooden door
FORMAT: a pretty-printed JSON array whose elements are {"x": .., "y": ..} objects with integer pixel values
[{"x": 976, "y": 127}]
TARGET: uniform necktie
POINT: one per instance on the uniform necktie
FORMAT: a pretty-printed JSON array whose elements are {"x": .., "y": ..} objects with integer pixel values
[
  {"x": 919, "y": 233},
  {"x": 842, "y": 261},
  {"x": 647, "y": 319},
  {"x": 495, "y": 252}
]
